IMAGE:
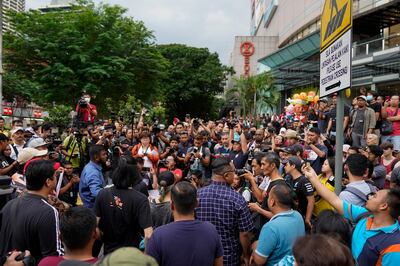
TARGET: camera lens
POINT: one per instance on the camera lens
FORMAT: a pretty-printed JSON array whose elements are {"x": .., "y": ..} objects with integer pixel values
[{"x": 240, "y": 171}]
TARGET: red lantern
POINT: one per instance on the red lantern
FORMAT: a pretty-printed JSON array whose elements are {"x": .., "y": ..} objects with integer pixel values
[
  {"x": 37, "y": 114},
  {"x": 7, "y": 111}
]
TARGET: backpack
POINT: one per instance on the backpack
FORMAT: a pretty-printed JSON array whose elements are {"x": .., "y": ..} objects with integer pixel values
[{"x": 359, "y": 193}]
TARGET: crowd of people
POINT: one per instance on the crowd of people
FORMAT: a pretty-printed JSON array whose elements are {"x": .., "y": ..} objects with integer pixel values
[{"x": 235, "y": 191}]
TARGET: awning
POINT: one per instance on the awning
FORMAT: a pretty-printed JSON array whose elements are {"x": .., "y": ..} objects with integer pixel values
[{"x": 295, "y": 51}]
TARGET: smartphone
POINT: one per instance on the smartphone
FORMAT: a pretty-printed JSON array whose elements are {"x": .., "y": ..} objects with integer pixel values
[{"x": 146, "y": 169}]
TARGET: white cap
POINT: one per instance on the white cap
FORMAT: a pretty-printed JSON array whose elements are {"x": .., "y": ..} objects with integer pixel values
[
  {"x": 36, "y": 142},
  {"x": 28, "y": 153},
  {"x": 15, "y": 130}
]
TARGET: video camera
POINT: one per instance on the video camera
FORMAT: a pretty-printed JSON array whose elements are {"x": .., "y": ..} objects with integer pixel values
[{"x": 82, "y": 103}]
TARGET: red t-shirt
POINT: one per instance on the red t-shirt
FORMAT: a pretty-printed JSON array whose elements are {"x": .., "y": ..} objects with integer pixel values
[
  {"x": 396, "y": 124},
  {"x": 84, "y": 113},
  {"x": 55, "y": 260},
  {"x": 177, "y": 172}
]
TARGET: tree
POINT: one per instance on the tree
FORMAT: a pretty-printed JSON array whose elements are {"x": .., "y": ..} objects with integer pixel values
[
  {"x": 194, "y": 77},
  {"x": 59, "y": 115},
  {"x": 53, "y": 57},
  {"x": 254, "y": 94}
]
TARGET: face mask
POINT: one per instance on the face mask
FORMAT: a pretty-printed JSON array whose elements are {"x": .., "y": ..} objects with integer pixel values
[
  {"x": 87, "y": 99},
  {"x": 370, "y": 98}
]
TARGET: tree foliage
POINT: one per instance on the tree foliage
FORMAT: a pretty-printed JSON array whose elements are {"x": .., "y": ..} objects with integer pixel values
[
  {"x": 55, "y": 56},
  {"x": 194, "y": 77},
  {"x": 59, "y": 115},
  {"x": 259, "y": 88}
]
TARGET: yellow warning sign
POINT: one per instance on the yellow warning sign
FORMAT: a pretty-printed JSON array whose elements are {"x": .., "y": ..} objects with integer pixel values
[{"x": 335, "y": 20}]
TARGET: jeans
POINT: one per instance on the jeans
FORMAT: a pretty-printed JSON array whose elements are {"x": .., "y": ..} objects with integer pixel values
[
  {"x": 358, "y": 140},
  {"x": 395, "y": 140}
]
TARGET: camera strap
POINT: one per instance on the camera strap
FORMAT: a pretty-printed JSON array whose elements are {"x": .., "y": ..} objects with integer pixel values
[
  {"x": 69, "y": 143},
  {"x": 15, "y": 150}
]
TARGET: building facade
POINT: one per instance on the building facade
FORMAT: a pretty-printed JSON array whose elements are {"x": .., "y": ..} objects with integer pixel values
[
  {"x": 246, "y": 52},
  {"x": 15, "y": 5},
  {"x": 295, "y": 27}
]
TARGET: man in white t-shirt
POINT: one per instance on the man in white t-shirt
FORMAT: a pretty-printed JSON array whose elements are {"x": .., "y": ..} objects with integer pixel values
[{"x": 17, "y": 135}]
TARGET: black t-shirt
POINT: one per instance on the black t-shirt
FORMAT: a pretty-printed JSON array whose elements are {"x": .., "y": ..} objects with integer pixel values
[
  {"x": 34, "y": 224},
  {"x": 303, "y": 188},
  {"x": 161, "y": 213},
  {"x": 264, "y": 204},
  {"x": 141, "y": 187},
  {"x": 124, "y": 213},
  {"x": 377, "y": 109},
  {"x": 5, "y": 162},
  {"x": 332, "y": 115},
  {"x": 71, "y": 195}
]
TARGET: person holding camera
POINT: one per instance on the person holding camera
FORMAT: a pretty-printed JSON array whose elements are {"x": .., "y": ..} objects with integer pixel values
[
  {"x": 70, "y": 185},
  {"x": 146, "y": 151},
  {"x": 159, "y": 140},
  {"x": 171, "y": 150},
  {"x": 198, "y": 156},
  {"x": 170, "y": 165},
  {"x": 74, "y": 148},
  {"x": 86, "y": 112}
]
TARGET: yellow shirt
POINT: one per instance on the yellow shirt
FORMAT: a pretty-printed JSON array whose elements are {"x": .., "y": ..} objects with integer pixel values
[
  {"x": 321, "y": 204},
  {"x": 5, "y": 132},
  {"x": 72, "y": 148}
]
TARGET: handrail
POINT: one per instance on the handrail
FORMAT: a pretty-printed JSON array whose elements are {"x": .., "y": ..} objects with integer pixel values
[
  {"x": 377, "y": 39},
  {"x": 358, "y": 10}
]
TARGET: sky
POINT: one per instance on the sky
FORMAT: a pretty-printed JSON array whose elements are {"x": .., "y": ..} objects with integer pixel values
[{"x": 200, "y": 23}]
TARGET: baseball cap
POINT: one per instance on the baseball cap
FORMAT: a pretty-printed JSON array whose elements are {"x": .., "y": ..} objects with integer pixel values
[
  {"x": 323, "y": 100},
  {"x": 294, "y": 149},
  {"x": 28, "y": 153},
  {"x": 166, "y": 179},
  {"x": 362, "y": 97},
  {"x": 295, "y": 161},
  {"x": 127, "y": 256},
  {"x": 15, "y": 130},
  {"x": 36, "y": 142},
  {"x": 290, "y": 133},
  {"x": 30, "y": 130}
]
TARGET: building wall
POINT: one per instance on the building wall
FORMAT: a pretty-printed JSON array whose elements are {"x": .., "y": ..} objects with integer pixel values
[
  {"x": 16, "y": 5},
  {"x": 290, "y": 17},
  {"x": 262, "y": 45}
]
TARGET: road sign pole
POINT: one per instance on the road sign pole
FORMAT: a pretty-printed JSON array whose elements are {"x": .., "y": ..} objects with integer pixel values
[
  {"x": 335, "y": 66},
  {"x": 339, "y": 142}
]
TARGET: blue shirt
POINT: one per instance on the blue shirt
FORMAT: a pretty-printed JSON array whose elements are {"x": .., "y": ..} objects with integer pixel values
[
  {"x": 227, "y": 210},
  {"x": 278, "y": 235},
  {"x": 363, "y": 231},
  {"x": 194, "y": 243},
  {"x": 91, "y": 183}
]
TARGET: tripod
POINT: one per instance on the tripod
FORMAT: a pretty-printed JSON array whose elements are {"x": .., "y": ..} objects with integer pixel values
[{"x": 78, "y": 141}]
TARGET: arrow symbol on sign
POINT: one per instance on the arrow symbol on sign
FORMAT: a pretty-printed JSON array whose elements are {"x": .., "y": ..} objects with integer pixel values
[{"x": 337, "y": 84}]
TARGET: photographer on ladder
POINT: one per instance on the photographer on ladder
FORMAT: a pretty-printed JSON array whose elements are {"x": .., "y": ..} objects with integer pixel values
[{"x": 85, "y": 111}]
